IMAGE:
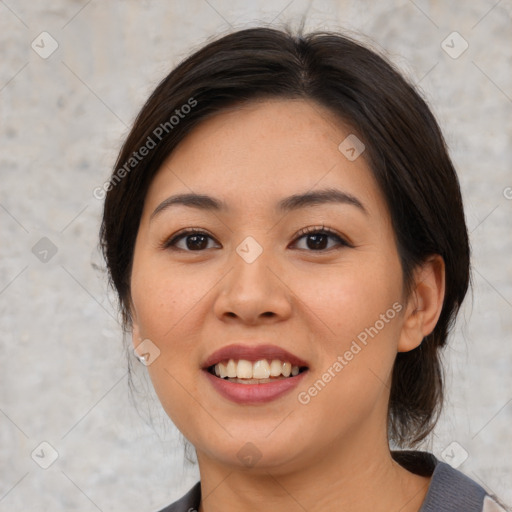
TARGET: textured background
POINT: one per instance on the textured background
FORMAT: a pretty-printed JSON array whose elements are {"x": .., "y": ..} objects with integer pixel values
[{"x": 63, "y": 369}]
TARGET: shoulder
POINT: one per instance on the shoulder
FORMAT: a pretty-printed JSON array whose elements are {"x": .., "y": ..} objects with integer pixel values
[
  {"x": 450, "y": 490},
  {"x": 188, "y": 503}
]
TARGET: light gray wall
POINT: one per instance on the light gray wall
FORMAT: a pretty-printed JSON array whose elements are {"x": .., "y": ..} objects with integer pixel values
[{"x": 62, "y": 366}]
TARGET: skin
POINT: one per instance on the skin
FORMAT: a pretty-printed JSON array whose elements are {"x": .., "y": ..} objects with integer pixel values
[{"x": 333, "y": 452}]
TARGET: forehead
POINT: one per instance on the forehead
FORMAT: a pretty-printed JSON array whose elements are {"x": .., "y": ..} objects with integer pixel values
[{"x": 258, "y": 152}]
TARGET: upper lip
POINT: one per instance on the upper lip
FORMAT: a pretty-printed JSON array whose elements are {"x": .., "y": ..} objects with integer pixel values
[{"x": 252, "y": 353}]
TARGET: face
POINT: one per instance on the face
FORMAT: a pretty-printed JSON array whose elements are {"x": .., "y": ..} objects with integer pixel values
[{"x": 269, "y": 278}]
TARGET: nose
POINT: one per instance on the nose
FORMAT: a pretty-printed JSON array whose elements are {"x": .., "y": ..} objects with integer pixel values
[{"x": 254, "y": 292}]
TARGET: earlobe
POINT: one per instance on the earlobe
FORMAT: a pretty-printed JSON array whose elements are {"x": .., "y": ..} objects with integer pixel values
[
  {"x": 136, "y": 338},
  {"x": 425, "y": 303}
]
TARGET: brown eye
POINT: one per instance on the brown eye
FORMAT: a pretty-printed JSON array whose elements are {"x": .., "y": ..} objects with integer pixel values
[
  {"x": 317, "y": 239},
  {"x": 196, "y": 242},
  {"x": 191, "y": 240}
]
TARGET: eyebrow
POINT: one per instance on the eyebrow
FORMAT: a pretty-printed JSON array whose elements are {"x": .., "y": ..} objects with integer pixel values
[
  {"x": 293, "y": 202},
  {"x": 328, "y": 195},
  {"x": 199, "y": 201}
]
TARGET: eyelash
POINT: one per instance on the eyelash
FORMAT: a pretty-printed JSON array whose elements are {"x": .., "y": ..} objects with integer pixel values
[{"x": 324, "y": 230}]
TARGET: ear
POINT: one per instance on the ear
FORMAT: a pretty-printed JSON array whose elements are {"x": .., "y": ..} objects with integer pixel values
[
  {"x": 425, "y": 303},
  {"x": 136, "y": 338}
]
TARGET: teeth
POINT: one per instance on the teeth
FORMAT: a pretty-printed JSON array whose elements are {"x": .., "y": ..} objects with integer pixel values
[
  {"x": 275, "y": 368},
  {"x": 231, "y": 369},
  {"x": 244, "y": 369},
  {"x": 259, "y": 370}
]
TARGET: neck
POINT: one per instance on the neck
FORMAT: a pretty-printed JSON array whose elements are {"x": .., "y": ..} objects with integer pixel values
[{"x": 359, "y": 476}]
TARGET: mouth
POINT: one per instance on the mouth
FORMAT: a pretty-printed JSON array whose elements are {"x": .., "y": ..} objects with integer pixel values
[
  {"x": 256, "y": 374},
  {"x": 261, "y": 371}
]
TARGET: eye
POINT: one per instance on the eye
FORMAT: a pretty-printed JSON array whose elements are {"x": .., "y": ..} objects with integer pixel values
[
  {"x": 317, "y": 238},
  {"x": 194, "y": 240}
]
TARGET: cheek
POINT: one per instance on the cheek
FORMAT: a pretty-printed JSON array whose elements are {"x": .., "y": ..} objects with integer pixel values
[
  {"x": 168, "y": 303},
  {"x": 358, "y": 324},
  {"x": 164, "y": 309},
  {"x": 163, "y": 297},
  {"x": 350, "y": 298}
]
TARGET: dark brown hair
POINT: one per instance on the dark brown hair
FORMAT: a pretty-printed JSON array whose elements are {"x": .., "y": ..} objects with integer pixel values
[{"x": 404, "y": 149}]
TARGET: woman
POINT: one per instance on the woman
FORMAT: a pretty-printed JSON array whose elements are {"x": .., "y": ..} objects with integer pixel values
[{"x": 285, "y": 231}]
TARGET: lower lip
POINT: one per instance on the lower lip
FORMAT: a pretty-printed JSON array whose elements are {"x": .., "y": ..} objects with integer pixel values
[{"x": 254, "y": 393}]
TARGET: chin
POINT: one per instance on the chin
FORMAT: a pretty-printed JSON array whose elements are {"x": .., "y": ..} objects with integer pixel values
[{"x": 257, "y": 451}]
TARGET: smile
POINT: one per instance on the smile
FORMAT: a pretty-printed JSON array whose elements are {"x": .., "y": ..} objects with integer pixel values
[
  {"x": 245, "y": 374},
  {"x": 258, "y": 372}
]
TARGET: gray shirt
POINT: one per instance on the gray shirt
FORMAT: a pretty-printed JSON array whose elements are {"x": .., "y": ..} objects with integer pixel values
[{"x": 449, "y": 490}]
